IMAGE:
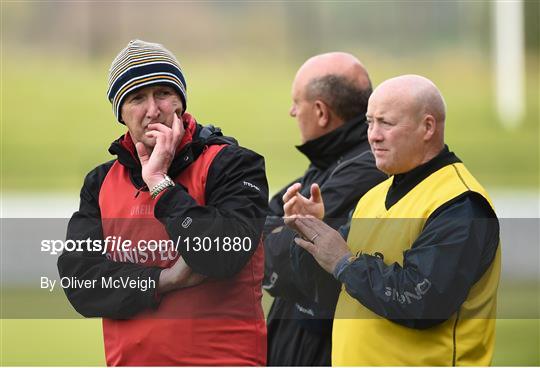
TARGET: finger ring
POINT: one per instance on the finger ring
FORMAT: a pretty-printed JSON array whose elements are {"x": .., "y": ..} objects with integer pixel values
[{"x": 314, "y": 237}]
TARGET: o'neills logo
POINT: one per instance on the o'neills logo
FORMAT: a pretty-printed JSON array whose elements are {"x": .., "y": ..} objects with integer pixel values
[
  {"x": 307, "y": 311},
  {"x": 407, "y": 297},
  {"x": 142, "y": 209},
  {"x": 187, "y": 221},
  {"x": 248, "y": 184}
]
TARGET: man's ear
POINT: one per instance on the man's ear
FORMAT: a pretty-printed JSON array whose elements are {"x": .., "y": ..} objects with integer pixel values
[
  {"x": 430, "y": 125},
  {"x": 323, "y": 113}
]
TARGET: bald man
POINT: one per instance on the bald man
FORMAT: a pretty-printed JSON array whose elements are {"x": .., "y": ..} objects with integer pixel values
[
  {"x": 421, "y": 264},
  {"x": 329, "y": 101}
]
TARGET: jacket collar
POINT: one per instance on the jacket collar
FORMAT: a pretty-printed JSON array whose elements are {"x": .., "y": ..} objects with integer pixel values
[
  {"x": 404, "y": 183},
  {"x": 325, "y": 150}
]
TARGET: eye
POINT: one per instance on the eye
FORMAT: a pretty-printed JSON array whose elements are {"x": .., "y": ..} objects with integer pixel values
[
  {"x": 165, "y": 92},
  {"x": 137, "y": 97}
]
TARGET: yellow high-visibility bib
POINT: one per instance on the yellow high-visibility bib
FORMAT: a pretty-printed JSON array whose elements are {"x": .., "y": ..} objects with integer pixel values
[{"x": 362, "y": 338}]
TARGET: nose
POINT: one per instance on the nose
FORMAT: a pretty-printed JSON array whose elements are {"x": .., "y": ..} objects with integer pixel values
[
  {"x": 374, "y": 133},
  {"x": 292, "y": 111},
  {"x": 152, "y": 110}
]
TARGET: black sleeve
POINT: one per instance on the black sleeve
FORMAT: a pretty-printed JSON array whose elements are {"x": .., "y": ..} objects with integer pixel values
[
  {"x": 453, "y": 251},
  {"x": 274, "y": 217},
  {"x": 299, "y": 275},
  {"x": 276, "y": 248},
  {"x": 87, "y": 265},
  {"x": 278, "y": 275},
  {"x": 236, "y": 206},
  {"x": 275, "y": 206}
]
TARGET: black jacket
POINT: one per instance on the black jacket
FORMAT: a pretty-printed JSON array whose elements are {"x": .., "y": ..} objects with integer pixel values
[
  {"x": 231, "y": 207},
  {"x": 299, "y": 326}
]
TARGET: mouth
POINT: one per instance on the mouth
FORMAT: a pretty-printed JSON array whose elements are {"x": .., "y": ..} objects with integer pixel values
[{"x": 147, "y": 128}]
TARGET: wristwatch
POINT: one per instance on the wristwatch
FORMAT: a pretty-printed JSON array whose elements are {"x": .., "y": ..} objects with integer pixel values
[{"x": 161, "y": 186}]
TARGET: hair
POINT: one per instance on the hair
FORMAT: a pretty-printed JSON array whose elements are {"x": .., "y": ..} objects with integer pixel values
[{"x": 346, "y": 98}]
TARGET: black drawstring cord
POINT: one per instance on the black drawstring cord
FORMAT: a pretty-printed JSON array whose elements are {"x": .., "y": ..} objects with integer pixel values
[{"x": 139, "y": 190}]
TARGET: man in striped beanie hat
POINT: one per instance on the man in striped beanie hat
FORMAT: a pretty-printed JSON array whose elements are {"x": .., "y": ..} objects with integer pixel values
[
  {"x": 141, "y": 64},
  {"x": 181, "y": 182}
]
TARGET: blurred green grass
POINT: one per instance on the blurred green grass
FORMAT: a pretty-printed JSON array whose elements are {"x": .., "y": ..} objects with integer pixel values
[
  {"x": 57, "y": 123},
  {"x": 79, "y": 342}
]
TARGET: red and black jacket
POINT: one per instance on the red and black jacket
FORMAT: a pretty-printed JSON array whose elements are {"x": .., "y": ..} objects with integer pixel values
[{"x": 221, "y": 191}]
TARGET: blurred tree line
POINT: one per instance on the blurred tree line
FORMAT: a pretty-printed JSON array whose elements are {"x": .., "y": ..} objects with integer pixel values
[{"x": 291, "y": 29}]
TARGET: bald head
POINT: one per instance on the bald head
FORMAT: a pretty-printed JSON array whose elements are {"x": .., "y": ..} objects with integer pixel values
[
  {"x": 418, "y": 92},
  {"x": 340, "y": 80},
  {"x": 328, "y": 90},
  {"x": 406, "y": 118},
  {"x": 339, "y": 64}
]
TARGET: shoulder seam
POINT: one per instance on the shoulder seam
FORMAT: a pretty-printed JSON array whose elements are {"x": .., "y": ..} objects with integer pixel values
[
  {"x": 460, "y": 177},
  {"x": 101, "y": 172},
  {"x": 454, "y": 350}
]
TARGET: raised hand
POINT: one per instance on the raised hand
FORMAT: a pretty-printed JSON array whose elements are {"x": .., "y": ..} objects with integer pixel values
[
  {"x": 155, "y": 164},
  {"x": 295, "y": 204}
]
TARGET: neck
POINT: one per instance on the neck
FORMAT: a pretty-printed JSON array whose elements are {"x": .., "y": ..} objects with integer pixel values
[
  {"x": 431, "y": 152},
  {"x": 335, "y": 123}
]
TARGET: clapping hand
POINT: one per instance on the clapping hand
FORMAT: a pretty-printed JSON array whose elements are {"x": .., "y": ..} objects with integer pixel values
[
  {"x": 296, "y": 205},
  {"x": 320, "y": 240}
]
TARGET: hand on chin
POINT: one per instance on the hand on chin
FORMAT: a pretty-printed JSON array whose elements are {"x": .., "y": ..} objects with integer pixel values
[{"x": 149, "y": 142}]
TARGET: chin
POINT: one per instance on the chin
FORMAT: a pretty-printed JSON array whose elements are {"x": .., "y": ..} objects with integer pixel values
[
  {"x": 380, "y": 165},
  {"x": 384, "y": 168},
  {"x": 149, "y": 143}
]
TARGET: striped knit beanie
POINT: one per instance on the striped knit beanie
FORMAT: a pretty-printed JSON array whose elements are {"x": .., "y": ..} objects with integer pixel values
[{"x": 142, "y": 64}]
